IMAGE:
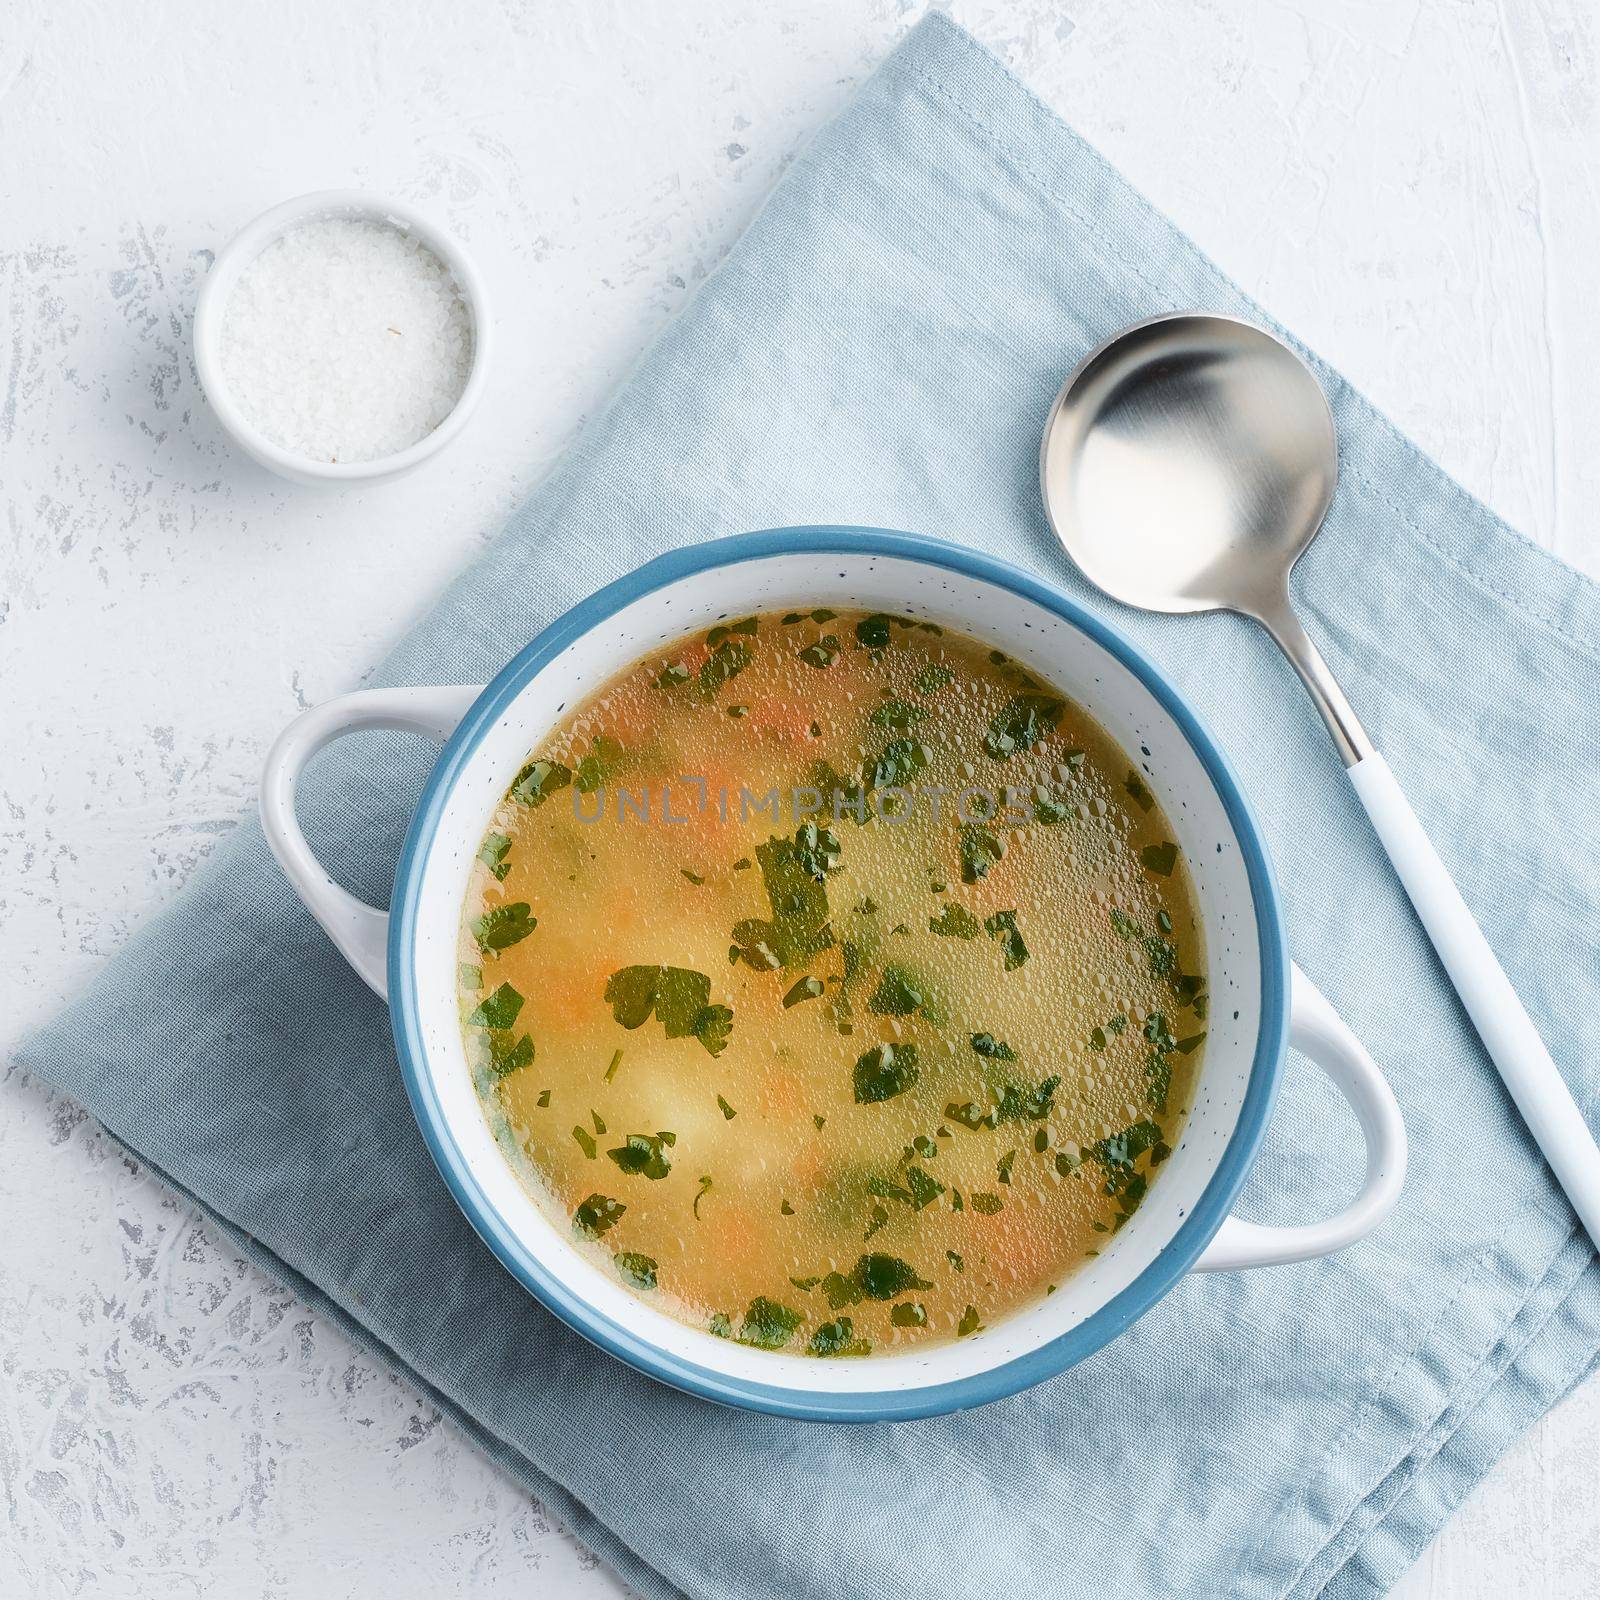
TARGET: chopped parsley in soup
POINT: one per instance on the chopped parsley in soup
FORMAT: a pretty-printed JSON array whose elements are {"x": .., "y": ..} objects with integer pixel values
[{"x": 833, "y": 982}]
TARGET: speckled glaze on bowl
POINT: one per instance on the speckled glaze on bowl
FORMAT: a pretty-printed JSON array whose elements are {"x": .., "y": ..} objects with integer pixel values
[{"x": 1257, "y": 999}]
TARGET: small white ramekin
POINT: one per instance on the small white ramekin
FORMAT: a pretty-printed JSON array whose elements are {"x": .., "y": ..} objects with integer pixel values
[{"x": 246, "y": 245}]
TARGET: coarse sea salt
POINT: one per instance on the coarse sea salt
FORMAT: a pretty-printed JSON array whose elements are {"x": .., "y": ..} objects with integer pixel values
[{"x": 346, "y": 339}]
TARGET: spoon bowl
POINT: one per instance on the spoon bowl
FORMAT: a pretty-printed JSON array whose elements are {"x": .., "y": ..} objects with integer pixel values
[{"x": 1187, "y": 463}]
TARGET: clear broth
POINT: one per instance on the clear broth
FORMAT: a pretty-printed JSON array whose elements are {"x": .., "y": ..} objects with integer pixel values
[{"x": 819, "y": 1083}]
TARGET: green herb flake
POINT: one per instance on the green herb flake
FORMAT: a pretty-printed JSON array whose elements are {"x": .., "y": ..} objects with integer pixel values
[
  {"x": 985, "y": 1204},
  {"x": 1162, "y": 954},
  {"x": 1157, "y": 1032},
  {"x": 693, "y": 877},
  {"x": 991, "y": 1048},
  {"x": 794, "y": 873},
  {"x": 1003, "y": 926},
  {"x": 955, "y": 922},
  {"x": 881, "y": 1277},
  {"x": 898, "y": 763},
  {"x": 1027, "y": 1105},
  {"x": 1119, "y": 1151},
  {"x": 1117, "y": 1155},
  {"x": 1050, "y": 811},
  {"x": 923, "y": 1189},
  {"x": 823, "y": 653},
  {"x": 538, "y": 781},
  {"x": 497, "y": 1010},
  {"x": 726, "y": 662},
  {"x": 980, "y": 851},
  {"x": 601, "y": 764},
  {"x": 704, "y": 1190},
  {"x": 673, "y": 676},
  {"x": 638, "y": 1270},
  {"x": 727, "y": 1111},
  {"x": 643, "y": 1155},
  {"x": 932, "y": 678},
  {"x": 968, "y": 1115},
  {"x": 508, "y": 1055},
  {"x": 1021, "y": 725},
  {"x": 678, "y": 997},
  {"x": 1160, "y": 859},
  {"x": 493, "y": 852},
  {"x": 838, "y": 1339},
  {"x": 1097, "y": 1039},
  {"x": 768, "y": 1325},
  {"x": 884, "y": 1071},
  {"x": 839, "y": 1290},
  {"x": 1158, "y": 1071},
  {"x": 956, "y": 1263},
  {"x": 898, "y": 994},
  {"x": 544, "y": 1099},
  {"x": 1137, "y": 792},
  {"x": 873, "y": 633},
  {"x": 470, "y": 975},
  {"x": 805, "y": 989},
  {"x": 888, "y": 1189},
  {"x": 969, "y": 1323},
  {"x": 598, "y": 1213},
  {"x": 786, "y": 1209},
  {"x": 585, "y": 1140},
  {"x": 899, "y": 716},
  {"x": 745, "y": 625},
  {"x": 908, "y": 1315},
  {"x": 1003, "y": 1166}
]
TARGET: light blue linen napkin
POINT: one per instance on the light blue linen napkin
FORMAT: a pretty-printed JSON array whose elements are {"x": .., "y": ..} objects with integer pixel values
[{"x": 881, "y": 347}]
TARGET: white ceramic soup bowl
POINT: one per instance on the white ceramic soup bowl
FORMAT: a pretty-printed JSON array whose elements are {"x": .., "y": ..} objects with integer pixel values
[{"x": 1259, "y": 1005}]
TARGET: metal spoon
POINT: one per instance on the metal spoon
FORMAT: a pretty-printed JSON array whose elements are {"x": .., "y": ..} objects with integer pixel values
[{"x": 1186, "y": 465}]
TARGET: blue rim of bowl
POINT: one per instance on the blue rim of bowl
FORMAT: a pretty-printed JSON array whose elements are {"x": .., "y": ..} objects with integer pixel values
[{"x": 994, "y": 1383}]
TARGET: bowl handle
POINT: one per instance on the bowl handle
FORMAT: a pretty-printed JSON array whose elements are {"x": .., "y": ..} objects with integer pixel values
[
  {"x": 360, "y": 931},
  {"x": 1318, "y": 1031}
]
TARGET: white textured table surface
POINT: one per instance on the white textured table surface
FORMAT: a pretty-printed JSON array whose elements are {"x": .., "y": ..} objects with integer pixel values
[{"x": 1413, "y": 185}]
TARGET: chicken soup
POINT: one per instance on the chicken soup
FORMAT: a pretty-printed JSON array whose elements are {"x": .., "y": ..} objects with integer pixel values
[{"x": 833, "y": 982}]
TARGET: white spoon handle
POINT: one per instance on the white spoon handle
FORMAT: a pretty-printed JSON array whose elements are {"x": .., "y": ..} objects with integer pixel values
[{"x": 1508, "y": 1034}]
